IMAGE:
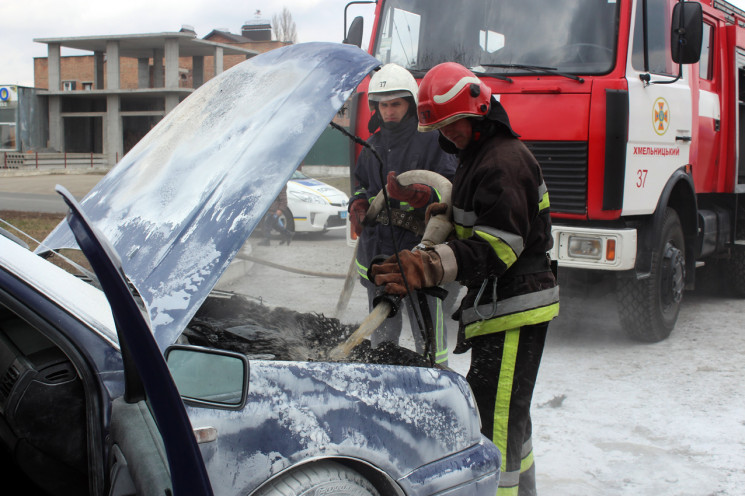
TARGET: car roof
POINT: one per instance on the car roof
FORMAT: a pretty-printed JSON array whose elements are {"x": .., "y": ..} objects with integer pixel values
[{"x": 82, "y": 300}]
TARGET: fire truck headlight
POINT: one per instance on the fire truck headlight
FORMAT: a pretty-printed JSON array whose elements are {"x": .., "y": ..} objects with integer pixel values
[
  {"x": 583, "y": 247},
  {"x": 610, "y": 250}
]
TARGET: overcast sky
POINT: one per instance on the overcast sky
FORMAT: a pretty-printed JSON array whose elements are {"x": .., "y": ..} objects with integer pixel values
[{"x": 23, "y": 20}]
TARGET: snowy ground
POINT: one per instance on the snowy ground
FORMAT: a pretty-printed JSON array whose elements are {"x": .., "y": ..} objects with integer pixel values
[
  {"x": 610, "y": 416},
  {"x": 615, "y": 417}
]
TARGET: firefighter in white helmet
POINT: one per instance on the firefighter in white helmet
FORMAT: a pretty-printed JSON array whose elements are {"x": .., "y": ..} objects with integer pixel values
[
  {"x": 500, "y": 209},
  {"x": 392, "y": 94}
]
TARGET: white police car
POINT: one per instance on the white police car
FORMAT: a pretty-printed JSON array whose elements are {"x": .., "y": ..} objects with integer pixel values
[{"x": 314, "y": 205}]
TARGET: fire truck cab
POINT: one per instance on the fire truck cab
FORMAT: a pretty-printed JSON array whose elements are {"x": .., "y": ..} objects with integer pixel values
[{"x": 634, "y": 110}]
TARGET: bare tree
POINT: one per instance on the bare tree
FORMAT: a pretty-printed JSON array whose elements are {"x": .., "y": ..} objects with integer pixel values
[{"x": 284, "y": 27}]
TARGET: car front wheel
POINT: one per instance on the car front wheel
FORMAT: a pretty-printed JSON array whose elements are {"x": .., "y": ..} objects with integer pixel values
[
  {"x": 287, "y": 220},
  {"x": 320, "y": 478}
]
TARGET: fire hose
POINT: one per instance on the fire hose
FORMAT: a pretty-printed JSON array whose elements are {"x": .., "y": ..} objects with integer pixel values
[
  {"x": 437, "y": 230},
  {"x": 286, "y": 268}
]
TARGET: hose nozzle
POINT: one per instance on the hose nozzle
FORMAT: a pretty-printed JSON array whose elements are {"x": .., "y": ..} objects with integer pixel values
[{"x": 393, "y": 300}]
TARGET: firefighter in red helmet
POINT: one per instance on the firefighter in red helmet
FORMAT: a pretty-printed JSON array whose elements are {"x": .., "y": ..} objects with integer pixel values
[{"x": 500, "y": 210}]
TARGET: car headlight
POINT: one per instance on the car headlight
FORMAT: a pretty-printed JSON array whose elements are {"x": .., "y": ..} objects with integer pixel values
[{"x": 308, "y": 197}]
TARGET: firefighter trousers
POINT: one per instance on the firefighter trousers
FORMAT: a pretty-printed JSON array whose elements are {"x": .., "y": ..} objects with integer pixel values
[{"x": 504, "y": 367}]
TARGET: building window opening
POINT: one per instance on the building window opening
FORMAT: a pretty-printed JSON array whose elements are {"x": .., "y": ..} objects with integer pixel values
[
  {"x": 83, "y": 134},
  {"x": 7, "y": 136},
  {"x": 134, "y": 128}
]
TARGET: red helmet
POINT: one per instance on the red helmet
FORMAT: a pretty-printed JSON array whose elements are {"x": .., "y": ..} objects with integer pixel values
[{"x": 449, "y": 92}]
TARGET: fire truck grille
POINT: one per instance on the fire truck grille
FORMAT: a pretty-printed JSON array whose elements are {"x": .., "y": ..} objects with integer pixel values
[{"x": 564, "y": 165}]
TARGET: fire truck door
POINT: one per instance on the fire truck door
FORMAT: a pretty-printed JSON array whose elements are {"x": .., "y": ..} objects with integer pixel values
[
  {"x": 706, "y": 152},
  {"x": 660, "y": 115}
]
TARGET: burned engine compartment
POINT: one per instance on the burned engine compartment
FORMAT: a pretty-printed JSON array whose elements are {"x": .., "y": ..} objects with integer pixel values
[{"x": 233, "y": 322}]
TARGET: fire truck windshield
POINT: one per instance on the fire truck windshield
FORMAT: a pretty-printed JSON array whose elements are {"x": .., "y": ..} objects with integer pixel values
[{"x": 499, "y": 36}]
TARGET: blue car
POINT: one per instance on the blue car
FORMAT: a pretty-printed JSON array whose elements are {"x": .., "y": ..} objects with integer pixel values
[{"x": 120, "y": 380}]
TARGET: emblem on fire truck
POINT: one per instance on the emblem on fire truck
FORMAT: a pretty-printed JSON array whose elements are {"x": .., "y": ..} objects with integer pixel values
[{"x": 661, "y": 112}]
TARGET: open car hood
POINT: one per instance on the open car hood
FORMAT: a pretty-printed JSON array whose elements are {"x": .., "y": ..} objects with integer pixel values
[{"x": 182, "y": 202}]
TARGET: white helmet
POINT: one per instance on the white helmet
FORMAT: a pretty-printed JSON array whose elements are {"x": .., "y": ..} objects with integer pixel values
[{"x": 390, "y": 82}]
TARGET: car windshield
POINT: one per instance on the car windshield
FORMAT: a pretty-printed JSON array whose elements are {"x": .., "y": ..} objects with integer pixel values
[{"x": 570, "y": 36}]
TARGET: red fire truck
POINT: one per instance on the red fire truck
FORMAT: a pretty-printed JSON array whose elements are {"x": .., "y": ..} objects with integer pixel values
[{"x": 634, "y": 109}]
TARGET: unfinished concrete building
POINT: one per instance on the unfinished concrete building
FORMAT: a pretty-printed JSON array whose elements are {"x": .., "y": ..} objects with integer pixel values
[{"x": 106, "y": 102}]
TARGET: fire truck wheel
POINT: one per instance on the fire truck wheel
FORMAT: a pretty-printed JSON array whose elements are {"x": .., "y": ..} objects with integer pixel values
[
  {"x": 649, "y": 307},
  {"x": 736, "y": 265},
  {"x": 324, "y": 477}
]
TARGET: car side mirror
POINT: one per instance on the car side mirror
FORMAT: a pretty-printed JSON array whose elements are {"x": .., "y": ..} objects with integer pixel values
[
  {"x": 209, "y": 377},
  {"x": 686, "y": 32},
  {"x": 354, "y": 35}
]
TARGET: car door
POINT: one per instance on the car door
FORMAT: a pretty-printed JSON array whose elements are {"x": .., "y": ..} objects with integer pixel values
[{"x": 154, "y": 450}]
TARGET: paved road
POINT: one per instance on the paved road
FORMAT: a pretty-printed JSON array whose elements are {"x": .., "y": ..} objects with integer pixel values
[
  {"x": 31, "y": 202},
  {"x": 35, "y": 192}
]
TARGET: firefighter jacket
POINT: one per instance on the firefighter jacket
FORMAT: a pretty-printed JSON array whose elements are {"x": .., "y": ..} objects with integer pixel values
[
  {"x": 503, "y": 228},
  {"x": 401, "y": 149}
]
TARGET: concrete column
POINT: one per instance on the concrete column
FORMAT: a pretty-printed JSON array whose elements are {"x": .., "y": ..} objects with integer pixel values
[
  {"x": 113, "y": 144},
  {"x": 143, "y": 72},
  {"x": 98, "y": 79},
  {"x": 112, "y": 65},
  {"x": 171, "y": 102},
  {"x": 53, "y": 66},
  {"x": 171, "y": 56},
  {"x": 197, "y": 71},
  {"x": 56, "y": 129},
  {"x": 218, "y": 60},
  {"x": 158, "y": 68}
]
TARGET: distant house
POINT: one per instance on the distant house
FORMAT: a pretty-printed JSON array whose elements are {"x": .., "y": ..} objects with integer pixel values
[
  {"x": 95, "y": 106},
  {"x": 84, "y": 104}
]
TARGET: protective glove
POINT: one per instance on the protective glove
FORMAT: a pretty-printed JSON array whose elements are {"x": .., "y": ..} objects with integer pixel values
[
  {"x": 416, "y": 195},
  {"x": 357, "y": 211},
  {"x": 422, "y": 268},
  {"x": 434, "y": 209}
]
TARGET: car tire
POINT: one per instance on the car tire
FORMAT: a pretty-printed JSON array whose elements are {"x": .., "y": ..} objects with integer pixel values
[
  {"x": 288, "y": 220},
  {"x": 324, "y": 477},
  {"x": 649, "y": 307}
]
